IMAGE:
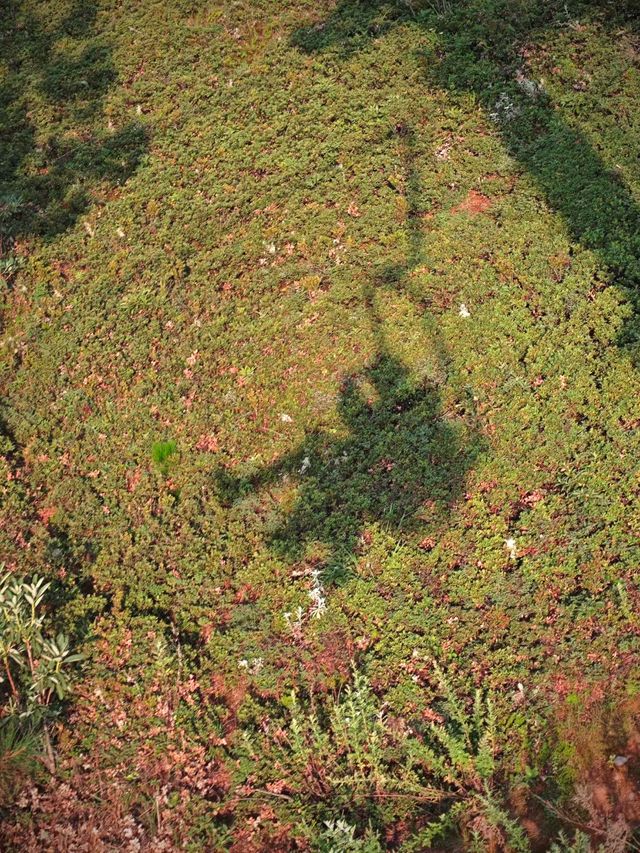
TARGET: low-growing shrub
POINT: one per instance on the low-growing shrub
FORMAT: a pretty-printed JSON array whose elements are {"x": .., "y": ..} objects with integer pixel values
[
  {"x": 350, "y": 759},
  {"x": 33, "y": 678}
]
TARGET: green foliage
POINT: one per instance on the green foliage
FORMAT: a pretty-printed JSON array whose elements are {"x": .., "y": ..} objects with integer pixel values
[
  {"x": 349, "y": 756},
  {"x": 373, "y": 266},
  {"x": 34, "y": 680},
  {"x": 347, "y": 751},
  {"x": 464, "y": 750},
  {"x": 35, "y": 665},
  {"x": 161, "y": 453},
  {"x": 580, "y": 843},
  {"x": 19, "y": 748},
  {"x": 338, "y": 836}
]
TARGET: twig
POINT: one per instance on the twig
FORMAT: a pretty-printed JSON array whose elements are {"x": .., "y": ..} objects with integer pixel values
[{"x": 587, "y": 827}]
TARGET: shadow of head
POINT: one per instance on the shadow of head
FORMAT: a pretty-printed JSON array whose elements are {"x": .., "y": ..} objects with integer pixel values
[{"x": 481, "y": 47}]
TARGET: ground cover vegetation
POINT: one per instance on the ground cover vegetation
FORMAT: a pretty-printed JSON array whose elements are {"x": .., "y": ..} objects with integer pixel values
[{"x": 319, "y": 430}]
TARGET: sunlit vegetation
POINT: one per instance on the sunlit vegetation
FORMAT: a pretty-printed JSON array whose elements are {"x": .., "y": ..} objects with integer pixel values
[{"x": 320, "y": 407}]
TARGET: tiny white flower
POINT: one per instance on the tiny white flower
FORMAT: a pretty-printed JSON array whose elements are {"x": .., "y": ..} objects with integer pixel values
[
  {"x": 464, "y": 311},
  {"x": 286, "y": 419},
  {"x": 510, "y": 545},
  {"x": 306, "y": 464},
  {"x": 317, "y": 596},
  {"x": 243, "y": 664},
  {"x": 504, "y": 109},
  {"x": 530, "y": 87}
]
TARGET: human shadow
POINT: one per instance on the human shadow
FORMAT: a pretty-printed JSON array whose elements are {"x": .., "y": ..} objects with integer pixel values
[
  {"x": 478, "y": 48},
  {"x": 403, "y": 459},
  {"x": 63, "y": 70},
  {"x": 401, "y": 464}
]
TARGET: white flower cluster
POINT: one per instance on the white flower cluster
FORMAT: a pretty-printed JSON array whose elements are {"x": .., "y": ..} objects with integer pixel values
[{"x": 317, "y": 595}]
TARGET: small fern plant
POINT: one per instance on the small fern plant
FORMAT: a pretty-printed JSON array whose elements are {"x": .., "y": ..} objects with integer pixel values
[
  {"x": 342, "y": 750},
  {"x": 460, "y": 750}
]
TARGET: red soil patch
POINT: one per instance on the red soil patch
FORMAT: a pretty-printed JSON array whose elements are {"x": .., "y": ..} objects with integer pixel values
[{"x": 473, "y": 204}]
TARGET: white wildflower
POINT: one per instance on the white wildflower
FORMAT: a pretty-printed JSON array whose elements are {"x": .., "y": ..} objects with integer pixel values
[
  {"x": 529, "y": 87},
  {"x": 317, "y": 595},
  {"x": 464, "y": 311},
  {"x": 505, "y": 109},
  {"x": 510, "y": 545},
  {"x": 442, "y": 153},
  {"x": 286, "y": 419},
  {"x": 295, "y": 626},
  {"x": 306, "y": 464}
]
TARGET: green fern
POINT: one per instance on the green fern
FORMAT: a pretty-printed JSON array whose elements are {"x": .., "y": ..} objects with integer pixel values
[{"x": 580, "y": 843}]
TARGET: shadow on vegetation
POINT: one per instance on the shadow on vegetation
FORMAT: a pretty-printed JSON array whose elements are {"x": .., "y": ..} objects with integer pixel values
[
  {"x": 402, "y": 453},
  {"x": 404, "y": 460},
  {"x": 55, "y": 69},
  {"x": 480, "y": 47},
  {"x": 55, "y": 145}
]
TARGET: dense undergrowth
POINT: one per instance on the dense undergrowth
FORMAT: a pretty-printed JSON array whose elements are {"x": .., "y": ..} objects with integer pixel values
[{"x": 320, "y": 411}]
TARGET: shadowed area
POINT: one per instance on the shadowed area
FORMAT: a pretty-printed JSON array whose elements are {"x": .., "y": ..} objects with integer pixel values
[
  {"x": 55, "y": 141},
  {"x": 481, "y": 47},
  {"x": 404, "y": 460}
]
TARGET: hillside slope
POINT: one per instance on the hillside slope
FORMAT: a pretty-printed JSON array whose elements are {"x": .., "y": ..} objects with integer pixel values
[{"x": 320, "y": 387}]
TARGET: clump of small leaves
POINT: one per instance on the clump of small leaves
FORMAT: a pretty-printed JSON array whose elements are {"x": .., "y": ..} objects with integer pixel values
[
  {"x": 161, "y": 453},
  {"x": 339, "y": 835},
  {"x": 9, "y": 266}
]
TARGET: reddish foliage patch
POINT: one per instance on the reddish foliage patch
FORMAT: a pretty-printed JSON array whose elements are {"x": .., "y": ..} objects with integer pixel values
[
  {"x": 473, "y": 204},
  {"x": 330, "y": 661},
  {"x": 95, "y": 810}
]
